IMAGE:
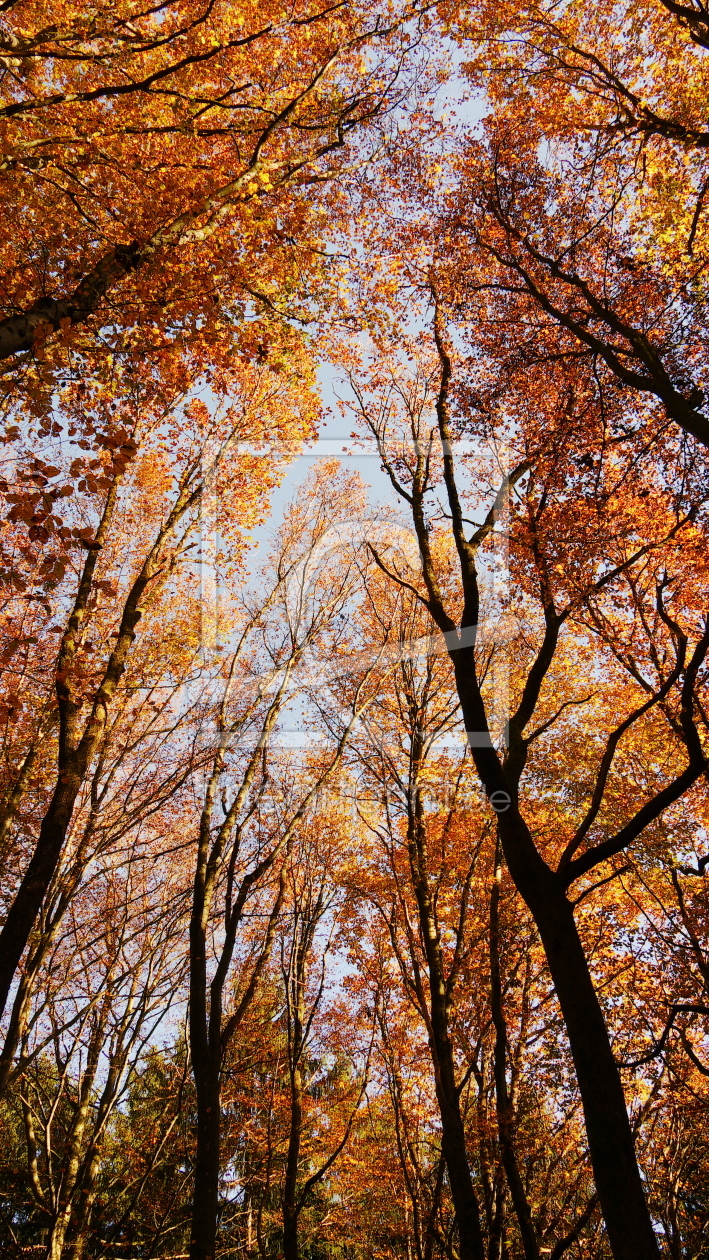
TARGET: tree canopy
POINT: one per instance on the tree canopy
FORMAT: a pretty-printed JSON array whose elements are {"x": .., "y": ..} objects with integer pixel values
[{"x": 354, "y": 834}]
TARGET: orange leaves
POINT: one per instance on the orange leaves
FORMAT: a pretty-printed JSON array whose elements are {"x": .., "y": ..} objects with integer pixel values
[
  {"x": 201, "y": 203},
  {"x": 145, "y": 163}
]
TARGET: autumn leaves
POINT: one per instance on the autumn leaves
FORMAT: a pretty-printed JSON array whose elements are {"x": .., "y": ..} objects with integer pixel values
[{"x": 496, "y": 1014}]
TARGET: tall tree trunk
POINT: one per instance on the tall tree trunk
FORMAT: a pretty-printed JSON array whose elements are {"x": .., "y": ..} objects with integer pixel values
[
  {"x": 23, "y": 912},
  {"x": 206, "y": 1067},
  {"x": 290, "y": 1185},
  {"x": 82, "y": 1227},
  {"x": 205, "y": 1204},
  {"x": 80, "y": 739},
  {"x": 610, "y": 1137},
  {"x": 505, "y": 1118},
  {"x": 467, "y": 1212},
  {"x": 40, "y": 942},
  {"x": 453, "y": 1143},
  {"x": 69, "y": 1178},
  {"x": 290, "y": 1209},
  {"x": 16, "y": 790}
]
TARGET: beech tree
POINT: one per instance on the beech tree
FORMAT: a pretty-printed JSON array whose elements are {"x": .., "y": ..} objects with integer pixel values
[
  {"x": 434, "y": 880},
  {"x": 305, "y": 948},
  {"x": 109, "y": 601},
  {"x": 431, "y": 980},
  {"x": 222, "y": 113},
  {"x": 240, "y": 857},
  {"x": 609, "y": 266},
  {"x": 406, "y": 441}
]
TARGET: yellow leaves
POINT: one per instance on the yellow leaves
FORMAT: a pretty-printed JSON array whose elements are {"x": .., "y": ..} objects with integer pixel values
[{"x": 125, "y": 164}]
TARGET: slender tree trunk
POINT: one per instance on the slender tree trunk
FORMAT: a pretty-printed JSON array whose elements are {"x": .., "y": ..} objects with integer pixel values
[
  {"x": 70, "y": 1174},
  {"x": 290, "y": 1185},
  {"x": 45, "y": 934},
  {"x": 290, "y": 1212},
  {"x": 82, "y": 1228},
  {"x": 455, "y": 1154},
  {"x": 77, "y": 748},
  {"x": 453, "y": 1143},
  {"x": 497, "y": 1247},
  {"x": 429, "y": 1242},
  {"x": 15, "y": 793},
  {"x": 56, "y": 1240},
  {"x": 73, "y": 759},
  {"x": 206, "y": 1067},
  {"x": 17, "y": 1024},
  {"x": 249, "y": 1229}
]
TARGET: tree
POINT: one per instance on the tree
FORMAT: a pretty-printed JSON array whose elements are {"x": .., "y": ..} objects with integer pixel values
[
  {"x": 305, "y": 944},
  {"x": 111, "y": 976},
  {"x": 585, "y": 203},
  {"x": 456, "y": 609},
  {"x": 223, "y": 113},
  {"x": 111, "y": 602},
  {"x": 240, "y": 857},
  {"x": 421, "y": 704},
  {"x": 431, "y": 853}
]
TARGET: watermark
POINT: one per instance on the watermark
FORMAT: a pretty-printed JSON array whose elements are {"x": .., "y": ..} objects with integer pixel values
[
  {"x": 352, "y": 798},
  {"x": 393, "y": 541}
]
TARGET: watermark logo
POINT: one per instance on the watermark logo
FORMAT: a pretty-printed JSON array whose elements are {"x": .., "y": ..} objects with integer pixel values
[{"x": 379, "y": 531}]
